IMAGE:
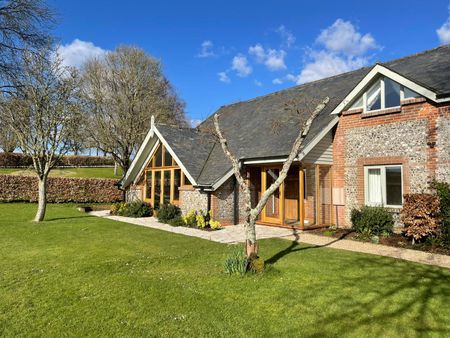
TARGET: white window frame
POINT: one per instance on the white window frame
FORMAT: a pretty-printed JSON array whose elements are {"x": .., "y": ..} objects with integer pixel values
[
  {"x": 383, "y": 96},
  {"x": 383, "y": 184}
]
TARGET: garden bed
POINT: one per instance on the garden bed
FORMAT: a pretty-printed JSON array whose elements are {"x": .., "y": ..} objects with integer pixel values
[{"x": 394, "y": 240}]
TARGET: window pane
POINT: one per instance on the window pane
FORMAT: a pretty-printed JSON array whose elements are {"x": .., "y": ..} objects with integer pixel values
[
  {"x": 167, "y": 159},
  {"x": 374, "y": 195},
  {"x": 176, "y": 183},
  {"x": 409, "y": 94},
  {"x": 157, "y": 189},
  {"x": 158, "y": 157},
  {"x": 148, "y": 185},
  {"x": 358, "y": 103},
  {"x": 166, "y": 196},
  {"x": 374, "y": 97},
  {"x": 394, "y": 186},
  {"x": 391, "y": 93}
]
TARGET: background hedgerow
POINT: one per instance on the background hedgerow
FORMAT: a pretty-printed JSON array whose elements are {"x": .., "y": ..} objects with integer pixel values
[{"x": 60, "y": 189}]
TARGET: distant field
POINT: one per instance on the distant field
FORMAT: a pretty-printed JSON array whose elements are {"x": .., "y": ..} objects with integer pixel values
[{"x": 67, "y": 172}]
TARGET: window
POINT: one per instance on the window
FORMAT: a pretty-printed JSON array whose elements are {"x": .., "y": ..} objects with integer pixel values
[
  {"x": 384, "y": 93},
  {"x": 148, "y": 185},
  {"x": 167, "y": 158},
  {"x": 383, "y": 185},
  {"x": 158, "y": 157},
  {"x": 176, "y": 184}
]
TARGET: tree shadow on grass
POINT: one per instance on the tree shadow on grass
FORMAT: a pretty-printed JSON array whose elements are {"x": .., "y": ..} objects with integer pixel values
[
  {"x": 375, "y": 296},
  {"x": 295, "y": 246},
  {"x": 65, "y": 218},
  {"x": 386, "y": 297}
]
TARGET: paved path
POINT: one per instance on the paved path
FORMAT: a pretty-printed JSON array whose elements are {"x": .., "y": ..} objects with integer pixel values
[
  {"x": 235, "y": 234},
  {"x": 229, "y": 234}
]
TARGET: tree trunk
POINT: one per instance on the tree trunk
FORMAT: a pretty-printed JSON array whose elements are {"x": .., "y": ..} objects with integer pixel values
[
  {"x": 42, "y": 201},
  {"x": 116, "y": 169},
  {"x": 250, "y": 237}
]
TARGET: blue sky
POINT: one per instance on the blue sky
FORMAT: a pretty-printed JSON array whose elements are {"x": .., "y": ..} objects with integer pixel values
[{"x": 219, "y": 52}]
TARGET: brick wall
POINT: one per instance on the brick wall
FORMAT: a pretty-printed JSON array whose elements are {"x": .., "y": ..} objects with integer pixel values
[{"x": 415, "y": 135}]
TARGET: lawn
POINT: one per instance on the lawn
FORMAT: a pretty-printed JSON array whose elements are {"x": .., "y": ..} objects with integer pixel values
[
  {"x": 76, "y": 275},
  {"x": 67, "y": 172}
]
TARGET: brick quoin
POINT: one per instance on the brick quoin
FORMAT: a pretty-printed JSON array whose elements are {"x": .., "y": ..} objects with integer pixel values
[{"x": 411, "y": 110}]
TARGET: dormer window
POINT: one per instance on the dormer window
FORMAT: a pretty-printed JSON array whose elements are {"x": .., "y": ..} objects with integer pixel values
[{"x": 384, "y": 93}]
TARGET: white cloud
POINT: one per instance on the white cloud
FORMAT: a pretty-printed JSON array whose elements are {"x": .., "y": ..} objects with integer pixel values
[
  {"x": 287, "y": 78},
  {"x": 327, "y": 64},
  {"x": 444, "y": 31},
  {"x": 343, "y": 37},
  {"x": 343, "y": 48},
  {"x": 258, "y": 52},
  {"x": 258, "y": 83},
  {"x": 241, "y": 66},
  {"x": 223, "y": 77},
  {"x": 273, "y": 59},
  {"x": 206, "y": 49},
  {"x": 76, "y": 53},
  {"x": 287, "y": 37}
]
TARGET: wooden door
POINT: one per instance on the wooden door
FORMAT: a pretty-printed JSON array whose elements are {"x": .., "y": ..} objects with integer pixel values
[{"x": 273, "y": 211}]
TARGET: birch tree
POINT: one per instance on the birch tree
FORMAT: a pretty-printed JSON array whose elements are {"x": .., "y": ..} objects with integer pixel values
[
  {"x": 43, "y": 113},
  {"x": 121, "y": 92},
  {"x": 251, "y": 214}
]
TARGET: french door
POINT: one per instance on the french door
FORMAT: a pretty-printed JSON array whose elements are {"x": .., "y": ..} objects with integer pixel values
[{"x": 273, "y": 211}]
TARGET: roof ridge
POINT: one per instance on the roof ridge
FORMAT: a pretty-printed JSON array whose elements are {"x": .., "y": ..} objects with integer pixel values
[
  {"x": 415, "y": 54},
  {"x": 326, "y": 79}
]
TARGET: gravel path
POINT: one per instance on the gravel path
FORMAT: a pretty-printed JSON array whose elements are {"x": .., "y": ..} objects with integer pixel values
[{"x": 235, "y": 234}]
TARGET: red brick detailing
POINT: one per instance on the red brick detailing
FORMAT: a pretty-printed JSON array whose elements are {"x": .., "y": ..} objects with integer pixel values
[
  {"x": 362, "y": 162},
  {"x": 411, "y": 110}
]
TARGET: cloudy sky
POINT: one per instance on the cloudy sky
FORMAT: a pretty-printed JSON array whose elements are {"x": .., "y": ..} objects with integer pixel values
[{"x": 219, "y": 52}]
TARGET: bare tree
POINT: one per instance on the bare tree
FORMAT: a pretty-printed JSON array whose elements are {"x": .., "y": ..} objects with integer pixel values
[
  {"x": 43, "y": 113},
  {"x": 24, "y": 27},
  {"x": 8, "y": 140},
  {"x": 120, "y": 93},
  {"x": 251, "y": 214}
]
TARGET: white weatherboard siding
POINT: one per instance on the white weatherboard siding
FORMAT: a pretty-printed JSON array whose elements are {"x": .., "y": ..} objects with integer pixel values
[{"x": 322, "y": 153}]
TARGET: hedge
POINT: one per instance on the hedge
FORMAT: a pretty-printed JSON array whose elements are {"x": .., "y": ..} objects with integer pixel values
[
  {"x": 60, "y": 189},
  {"x": 17, "y": 160}
]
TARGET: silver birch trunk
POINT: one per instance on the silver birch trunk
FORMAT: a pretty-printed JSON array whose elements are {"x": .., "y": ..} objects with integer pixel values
[
  {"x": 42, "y": 199},
  {"x": 251, "y": 214}
]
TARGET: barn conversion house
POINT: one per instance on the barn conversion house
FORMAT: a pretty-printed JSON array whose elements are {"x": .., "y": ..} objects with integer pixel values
[{"x": 385, "y": 132}]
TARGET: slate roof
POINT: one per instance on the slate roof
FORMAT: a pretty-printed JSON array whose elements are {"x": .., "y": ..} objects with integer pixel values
[
  {"x": 190, "y": 145},
  {"x": 263, "y": 128}
]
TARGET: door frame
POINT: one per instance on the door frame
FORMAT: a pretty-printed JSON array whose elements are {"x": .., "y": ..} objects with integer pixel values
[{"x": 264, "y": 218}]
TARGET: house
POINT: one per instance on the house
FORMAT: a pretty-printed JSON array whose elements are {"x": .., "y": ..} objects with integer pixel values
[{"x": 385, "y": 132}]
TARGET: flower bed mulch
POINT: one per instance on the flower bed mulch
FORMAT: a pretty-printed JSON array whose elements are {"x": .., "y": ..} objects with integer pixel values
[{"x": 395, "y": 240}]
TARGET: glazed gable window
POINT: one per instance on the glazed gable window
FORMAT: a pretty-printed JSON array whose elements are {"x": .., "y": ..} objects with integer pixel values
[
  {"x": 382, "y": 94},
  {"x": 383, "y": 185}
]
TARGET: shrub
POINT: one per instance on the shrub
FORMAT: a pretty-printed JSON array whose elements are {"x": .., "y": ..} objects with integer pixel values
[
  {"x": 168, "y": 212},
  {"x": 443, "y": 192},
  {"x": 201, "y": 220},
  {"x": 236, "y": 263},
  {"x": 369, "y": 221},
  {"x": 176, "y": 222},
  {"x": 132, "y": 209},
  {"x": 190, "y": 220},
  {"x": 420, "y": 215}
]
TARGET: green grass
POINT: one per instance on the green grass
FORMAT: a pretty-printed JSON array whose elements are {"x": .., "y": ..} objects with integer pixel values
[
  {"x": 67, "y": 172},
  {"x": 76, "y": 275}
]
